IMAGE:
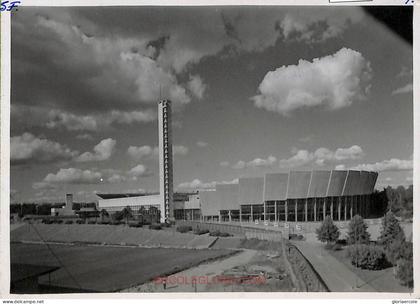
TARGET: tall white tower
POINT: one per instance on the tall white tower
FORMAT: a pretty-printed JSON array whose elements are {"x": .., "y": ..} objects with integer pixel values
[{"x": 165, "y": 161}]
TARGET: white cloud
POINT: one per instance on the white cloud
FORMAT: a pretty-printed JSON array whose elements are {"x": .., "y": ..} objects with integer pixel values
[
  {"x": 69, "y": 176},
  {"x": 116, "y": 178},
  {"x": 202, "y": 144},
  {"x": 139, "y": 153},
  {"x": 405, "y": 89},
  {"x": 224, "y": 164},
  {"x": 333, "y": 81},
  {"x": 29, "y": 149},
  {"x": 196, "y": 86},
  {"x": 393, "y": 164},
  {"x": 84, "y": 136},
  {"x": 101, "y": 151},
  {"x": 198, "y": 184},
  {"x": 322, "y": 156},
  {"x": 257, "y": 162},
  {"x": 138, "y": 171},
  {"x": 179, "y": 150},
  {"x": 72, "y": 122}
]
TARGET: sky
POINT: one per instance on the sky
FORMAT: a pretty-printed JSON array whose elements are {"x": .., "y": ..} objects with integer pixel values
[{"x": 254, "y": 90}]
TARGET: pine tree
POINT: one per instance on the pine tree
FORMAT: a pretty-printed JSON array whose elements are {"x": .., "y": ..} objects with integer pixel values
[
  {"x": 391, "y": 231},
  {"x": 357, "y": 233},
  {"x": 328, "y": 232}
]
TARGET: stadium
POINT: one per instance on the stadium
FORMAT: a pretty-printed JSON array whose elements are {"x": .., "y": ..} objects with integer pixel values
[{"x": 298, "y": 196}]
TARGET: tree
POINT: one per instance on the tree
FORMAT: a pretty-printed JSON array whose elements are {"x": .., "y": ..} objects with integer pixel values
[
  {"x": 104, "y": 214},
  {"x": 391, "y": 231},
  {"x": 328, "y": 232},
  {"x": 357, "y": 233},
  {"x": 127, "y": 213}
]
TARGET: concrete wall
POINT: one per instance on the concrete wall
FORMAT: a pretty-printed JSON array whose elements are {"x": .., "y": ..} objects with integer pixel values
[
  {"x": 152, "y": 200},
  {"x": 193, "y": 201},
  {"x": 298, "y": 184},
  {"x": 275, "y": 186},
  {"x": 319, "y": 183},
  {"x": 209, "y": 202},
  {"x": 336, "y": 184},
  {"x": 251, "y": 190},
  {"x": 228, "y": 196}
]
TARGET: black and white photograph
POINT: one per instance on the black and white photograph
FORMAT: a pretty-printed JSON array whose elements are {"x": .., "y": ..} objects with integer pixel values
[{"x": 211, "y": 149}]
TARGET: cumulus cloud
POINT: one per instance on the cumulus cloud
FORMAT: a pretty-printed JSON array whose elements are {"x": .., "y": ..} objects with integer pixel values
[
  {"x": 224, "y": 163},
  {"x": 321, "y": 156},
  {"x": 196, "y": 86},
  {"x": 101, "y": 151},
  {"x": 257, "y": 162},
  {"x": 198, "y": 184},
  {"x": 393, "y": 164},
  {"x": 29, "y": 149},
  {"x": 138, "y": 171},
  {"x": 202, "y": 144},
  {"x": 73, "y": 122},
  {"x": 333, "y": 81},
  {"x": 139, "y": 153},
  {"x": 84, "y": 136},
  {"x": 69, "y": 176},
  {"x": 179, "y": 150},
  {"x": 405, "y": 89}
]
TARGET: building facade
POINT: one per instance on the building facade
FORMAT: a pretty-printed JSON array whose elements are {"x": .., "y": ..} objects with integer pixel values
[{"x": 299, "y": 196}]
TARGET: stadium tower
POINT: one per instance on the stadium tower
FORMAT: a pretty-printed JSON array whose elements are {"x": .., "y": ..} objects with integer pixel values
[{"x": 165, "y": 161}]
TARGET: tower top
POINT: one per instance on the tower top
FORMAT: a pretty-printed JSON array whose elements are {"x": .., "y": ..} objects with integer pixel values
[{"x": 165, "y": 101}]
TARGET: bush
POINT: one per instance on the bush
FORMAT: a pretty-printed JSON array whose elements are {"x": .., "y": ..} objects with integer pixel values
[
  {"x": 337, "y": 247},
  {"x": 399, "y": 250},
  {"x": 357, "y": 233},
  {"x": 367, "y": 256},
  {"x": 155, "y": 226},
  {"x": 295, "y": 237},
  {"x": 80, "y": 222},
  {"x": 135, "y": 225},
  {"x": 68, "y": 222},
  {"x": 342, "y": 242},
  {"x": 184, "y": 229},
  {"x": 58, "y": 221},
  {"x": 91, "y": 222},
  {"x": 328, "y": 232},
  {"x": 166, "y": 225},
  {"x": 46, "y": 221},
  {"x": 201, "y": 231},
  {"x": 404, "y": 272},
  {"x": 224, "y": 234},
  {"x": 116, "y": 223}
]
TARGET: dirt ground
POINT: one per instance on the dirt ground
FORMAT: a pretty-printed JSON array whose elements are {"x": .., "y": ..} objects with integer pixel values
[{"x": 259, "y": 267}]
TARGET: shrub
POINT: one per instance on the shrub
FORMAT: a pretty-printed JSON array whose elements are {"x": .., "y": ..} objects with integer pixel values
[
  {"x": 91, "y": 222},
  {"x": 224, "y": 234},
  {"x": 367, "y": 256},
  {"x": 295, "y": 237},
  {"x": 399, "y": 250},
  {"x": 184, "y": 229},
  {"x": 166, "y": 225},
  {"x": 201, "y": 231},
  {"x": 46, "y": 221},
  {"x": 337, "y": 247},
  {"x": 342, "y": 242},
  {"x": 80, "y": 222},
  {"x": 357, "y": 233},
  {"x": 404, "y": 272},
  {"x": 58, "y": 221},
  {"x": 391, "y": 231},
  {"x": 135, "y": 225},
  {"x": 215, "y": 233},
  {"x": 155, "y": 227},
  {"x": 68, "y": 222},
  {"x": 328, "y": 232},
  {"x": 116, "y": 223}
]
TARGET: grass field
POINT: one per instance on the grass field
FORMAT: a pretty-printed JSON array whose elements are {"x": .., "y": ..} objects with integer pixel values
[{"x": 108, "y": 269}]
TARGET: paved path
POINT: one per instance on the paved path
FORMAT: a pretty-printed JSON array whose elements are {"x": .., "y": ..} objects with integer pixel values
[
  {"x": 205, "y": 271},
  {"x": 334, "y": 273}
]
